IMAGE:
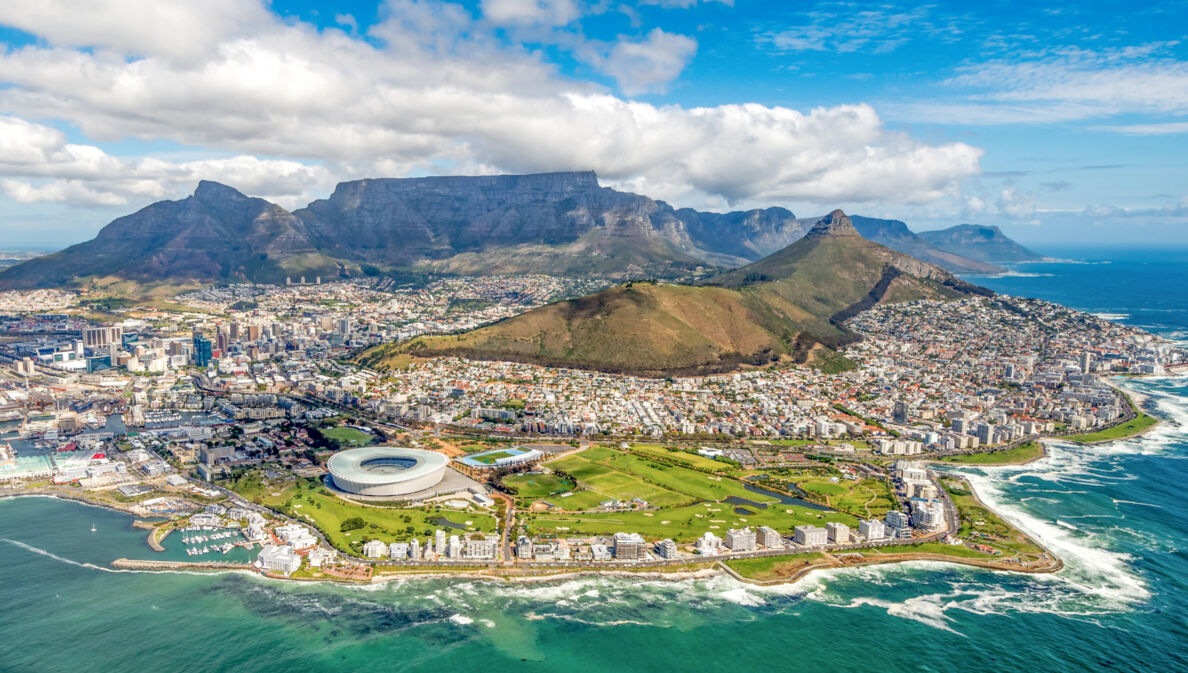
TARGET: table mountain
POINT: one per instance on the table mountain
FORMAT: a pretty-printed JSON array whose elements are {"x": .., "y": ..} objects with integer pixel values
[{"x": 558, "y": 223}]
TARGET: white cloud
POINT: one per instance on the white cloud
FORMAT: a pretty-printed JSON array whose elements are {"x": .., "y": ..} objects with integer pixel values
[
  {"x": 648, "y": 65},
  {"x": 183, "y": 30},
  {"x": 428, "y": 88},
  {"x": 1016, "y": 203},
  {"x": 872, "y": 30},
  {"x": 1161, "y": 129},
  {"x": 37, "y": 164},
  {"x": 1066, "y": 84},
  {"x": 543, "y": 12},
  {"x": 682, "y": 4}
]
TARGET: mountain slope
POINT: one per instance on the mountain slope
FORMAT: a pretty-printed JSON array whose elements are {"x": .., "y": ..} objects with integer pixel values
[
  {"x": 895, "y": 235},
  {"x": 557, "y": 223},
  {"x": 216, "y": 234},
  {"x": 780, "y": 308},
  {"x": 987, "y": 244}
]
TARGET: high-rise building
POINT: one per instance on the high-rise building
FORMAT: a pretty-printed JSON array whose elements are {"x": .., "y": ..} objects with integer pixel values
[
  {"x": 666, "y": 549},
  {"x": 837, "y": 533},
  {"x": 629, "y": 546},
  {"x": 203, "y": 349},
  {"x": 901, "y": 412},
  {"x": 101, "y": 337},
  {"x": 740, "y": 539},
  {"x": 810, "y": 536},
  {"x": 872, "y": 529},
  {"x": 769, "y": 537}
]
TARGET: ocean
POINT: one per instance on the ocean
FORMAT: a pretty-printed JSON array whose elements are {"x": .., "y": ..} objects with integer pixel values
[{"x": 1115, "y": 513}]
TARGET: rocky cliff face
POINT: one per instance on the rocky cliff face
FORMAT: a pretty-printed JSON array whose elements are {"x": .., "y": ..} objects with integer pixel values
[
  {"x": 404, "y": 221},
  {"x": 217, "y": 233},
  {"x": 559, "y": 223}
]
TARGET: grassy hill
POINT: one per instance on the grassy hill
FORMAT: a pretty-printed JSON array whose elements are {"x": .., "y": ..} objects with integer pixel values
[{"x": 787, "y": 307}]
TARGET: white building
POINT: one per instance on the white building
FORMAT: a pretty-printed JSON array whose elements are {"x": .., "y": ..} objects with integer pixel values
[
  {"x": 838, "y": 533},
  {"x": 275, "y": 558},
  {"x": 769, "y": 537},
  {"x": 375, "y": 549},
  {"x": 740, "y": 539},
  {"x": 872, "y": 529},
  {"x": 709, "y": 543},
  {"x": 810, "y": 536}
]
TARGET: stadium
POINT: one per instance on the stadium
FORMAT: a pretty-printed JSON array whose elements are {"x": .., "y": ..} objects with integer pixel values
[{"x": 386, "y": 471}]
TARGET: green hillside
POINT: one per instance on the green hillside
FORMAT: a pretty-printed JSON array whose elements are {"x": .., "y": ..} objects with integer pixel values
[{"x": 785, "y": 307}]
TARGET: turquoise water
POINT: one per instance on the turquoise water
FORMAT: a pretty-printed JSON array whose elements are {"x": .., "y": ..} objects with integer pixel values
[{"x": 1115, "y": 513}]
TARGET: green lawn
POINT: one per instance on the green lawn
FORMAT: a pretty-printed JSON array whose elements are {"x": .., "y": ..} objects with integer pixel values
[
  {"x": 1023, "y": 453},
  {"x": 683, "y": 457},
  {"x": 314, "y": 504},
  {"x": 1120, "y": 431},
  {"x": 490, "y": 458},
  {"x": 930, "y": 548},
  {"x": 533, "y": 486},
  {"x": 772, "y": 567},
  {"x": 600, "y": 482},
  {"x": 981, "y": 525},
  {"x": 683, "y": 524},
  {"x": 344, "y": 437}
]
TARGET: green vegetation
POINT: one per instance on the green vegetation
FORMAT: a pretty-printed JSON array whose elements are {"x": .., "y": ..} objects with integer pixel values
[
  {"x": 982, "y": 526},
  {"x": 1024, "y": 453},
  {"x": 682, "y": 524},
  {"x": 682, "y": 457},
  {"x": 773, "y": 567},
  {"x": 958, "y": 550},
  {"x": 1139, "y": 423},
  {"x": 788, "y": 307},
  {"x": 344, "y": 437},
  {"x": 339, "y": 520},
  {"x": 490, "y": 458},
  {"x": 533, "y": 486}
]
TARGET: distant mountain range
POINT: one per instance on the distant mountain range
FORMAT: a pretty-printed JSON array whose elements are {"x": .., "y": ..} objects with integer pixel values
[
  {"x": 975, "y": 241},
  {"x": 558, "y": 223},
  {"x": 787, "y": 307}
]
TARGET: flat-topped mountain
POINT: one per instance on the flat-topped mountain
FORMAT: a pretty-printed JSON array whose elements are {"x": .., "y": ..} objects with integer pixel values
[
  {"x": 980, "y": 242},
  {"x": 558, "y": 223},
  {"x": 787, "y": 307}
]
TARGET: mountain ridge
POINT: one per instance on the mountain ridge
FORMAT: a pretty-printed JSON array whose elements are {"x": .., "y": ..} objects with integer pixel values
[{"x": 561, "y": 223}]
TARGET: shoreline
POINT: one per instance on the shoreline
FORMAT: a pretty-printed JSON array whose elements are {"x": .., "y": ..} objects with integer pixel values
[{"x": 527, "y": 575}]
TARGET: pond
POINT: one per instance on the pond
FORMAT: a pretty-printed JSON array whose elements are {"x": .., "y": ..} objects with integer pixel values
[
  {"x": 786, "y": 499},
  {"x": 446, "y": 523}
]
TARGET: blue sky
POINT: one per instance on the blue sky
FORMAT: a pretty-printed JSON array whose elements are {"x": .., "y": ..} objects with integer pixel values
[{"x": 1061, "y": 123}]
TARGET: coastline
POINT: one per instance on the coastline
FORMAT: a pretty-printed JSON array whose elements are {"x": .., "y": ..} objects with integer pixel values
[{"x": 527, "y": 575}]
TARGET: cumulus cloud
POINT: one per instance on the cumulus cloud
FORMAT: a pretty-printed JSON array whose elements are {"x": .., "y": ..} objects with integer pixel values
[
  {"x": 140, "y": 27},
  {"x": 429, "y": 90},
  {"x": 650, "y": 64},
  {"x": 37, "y": 164}
]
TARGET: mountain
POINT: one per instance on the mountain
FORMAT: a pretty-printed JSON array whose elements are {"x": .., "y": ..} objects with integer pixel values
[
  {"x": 987, "y": 244},
  {"x": 218, "y": 233},
  {"x": 895, "y": 235},
  {"x": 559, "y": 223},
  {"x": 788, "y": 307}
]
